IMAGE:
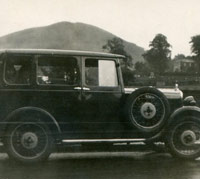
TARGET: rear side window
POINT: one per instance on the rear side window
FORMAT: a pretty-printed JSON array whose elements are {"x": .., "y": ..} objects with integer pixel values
[
  {"x": 57, "y": 71},
  {"x": 18, "y": 70},
  {"x": 100, "y": 73}
]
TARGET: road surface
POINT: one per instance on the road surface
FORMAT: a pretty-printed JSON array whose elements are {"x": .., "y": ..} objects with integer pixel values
[{"x": 103, "y": 165}]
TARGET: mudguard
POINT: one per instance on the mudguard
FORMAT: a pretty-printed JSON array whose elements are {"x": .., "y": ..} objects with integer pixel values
[
  {"x": 49, "y": 119},
  {"x": 175, "y": 117},
  {"x": 184, "y": 111}
]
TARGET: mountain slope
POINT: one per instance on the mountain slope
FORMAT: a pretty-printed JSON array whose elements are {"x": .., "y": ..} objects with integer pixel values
[{"x": 66, "y": 35}]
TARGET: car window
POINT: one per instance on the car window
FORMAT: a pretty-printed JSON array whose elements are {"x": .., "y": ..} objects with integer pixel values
[
  {"x": 57, "y": 71},
  {"x": 18, "y": 70},
  {"x": 100, "y": 73}
]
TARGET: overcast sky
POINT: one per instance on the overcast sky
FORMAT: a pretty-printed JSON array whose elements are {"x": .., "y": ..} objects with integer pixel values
[{"x": 136, "y": 21}]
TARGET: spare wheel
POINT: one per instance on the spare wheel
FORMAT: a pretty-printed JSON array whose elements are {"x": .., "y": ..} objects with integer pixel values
[{"x": 147, "y": 109}]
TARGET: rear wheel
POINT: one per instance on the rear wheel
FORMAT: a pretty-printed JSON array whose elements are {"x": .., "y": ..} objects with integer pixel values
[
  {"x": 183, "y": 139},
  {"x": 28, "y": 142}
]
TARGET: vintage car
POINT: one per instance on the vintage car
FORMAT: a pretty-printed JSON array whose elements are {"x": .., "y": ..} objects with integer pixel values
[{"x": 55, "y": 97}]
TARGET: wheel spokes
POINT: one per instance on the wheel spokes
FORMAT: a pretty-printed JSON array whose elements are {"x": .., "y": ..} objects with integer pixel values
[{"x": 148, "y": 110}]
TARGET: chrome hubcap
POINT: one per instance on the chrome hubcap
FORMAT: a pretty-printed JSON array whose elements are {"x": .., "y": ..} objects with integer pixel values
[
  {"x": 29, "y": 140},
  {"x": 148, "y": 110},
  {"x": 188, "y": 137}
]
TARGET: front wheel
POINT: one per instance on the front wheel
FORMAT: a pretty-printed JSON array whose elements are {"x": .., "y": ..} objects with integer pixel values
[
  {"x": 183, "y": 139},
  {"x": 28, "y": 142}
]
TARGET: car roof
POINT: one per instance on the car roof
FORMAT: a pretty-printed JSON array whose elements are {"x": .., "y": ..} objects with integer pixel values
[{"x": 60, "y": 52}]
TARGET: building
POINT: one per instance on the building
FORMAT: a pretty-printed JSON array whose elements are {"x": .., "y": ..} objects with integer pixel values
[{"x": 183, "y": 65}]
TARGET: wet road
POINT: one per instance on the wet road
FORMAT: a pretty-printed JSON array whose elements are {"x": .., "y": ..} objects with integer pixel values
[{"x": 103, "y": 165}]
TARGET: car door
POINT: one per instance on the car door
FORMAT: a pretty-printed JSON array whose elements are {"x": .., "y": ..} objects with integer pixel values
[
  {"x": 17, "y": 82},
  {"x": 57, "y": 79},
  {"x": 101, "y": 97}
]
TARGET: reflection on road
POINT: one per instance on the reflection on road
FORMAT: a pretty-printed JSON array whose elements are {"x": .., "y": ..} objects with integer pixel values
[{"x": 103, "y": 165}]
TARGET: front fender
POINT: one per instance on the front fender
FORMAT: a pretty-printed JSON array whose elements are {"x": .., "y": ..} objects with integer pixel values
[{"x": 184, "y": 111}]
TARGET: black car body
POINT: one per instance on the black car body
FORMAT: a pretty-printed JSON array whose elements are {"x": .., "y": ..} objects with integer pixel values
[{"x": 76, "y": 97}]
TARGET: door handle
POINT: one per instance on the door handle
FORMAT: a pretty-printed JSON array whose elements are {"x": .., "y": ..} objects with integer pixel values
[
  {"x": 86, "y": 89},
  {"x": 77, "y": 88}
]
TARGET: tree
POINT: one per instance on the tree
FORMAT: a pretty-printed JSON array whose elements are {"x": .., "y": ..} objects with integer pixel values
[
  {"x": 141, "y": 68},
  {"x": 195, "y": 41},
  {"x": 159, "y": 54},
  {"x": 179, "y": 56},
  {"x": 116, "y": 46},
  {"x": 195, "y": 48}
]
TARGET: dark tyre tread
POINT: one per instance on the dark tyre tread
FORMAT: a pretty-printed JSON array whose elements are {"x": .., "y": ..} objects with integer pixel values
[
  {"x": 169, "y": 138},
  {"x": 13, "y": 153}
]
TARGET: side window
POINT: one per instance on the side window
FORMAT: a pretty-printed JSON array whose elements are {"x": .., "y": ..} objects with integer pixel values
[
  {"x": 100, "y": 73},
  {"x": 18, "y": 70},
  {"x": 57, "y": 71}
]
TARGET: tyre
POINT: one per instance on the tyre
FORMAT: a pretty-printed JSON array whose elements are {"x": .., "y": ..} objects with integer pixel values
[
  {"x": 28, "y": 142},
  {"x": 183, "y": 138},
  {"x": 147, "y": 109}
]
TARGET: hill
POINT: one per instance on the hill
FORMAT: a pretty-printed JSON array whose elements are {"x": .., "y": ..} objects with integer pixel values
[{"x": 66, "y": 35}]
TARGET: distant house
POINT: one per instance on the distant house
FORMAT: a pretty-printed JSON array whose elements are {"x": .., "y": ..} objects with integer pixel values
[{"x": 183, "y": 65}]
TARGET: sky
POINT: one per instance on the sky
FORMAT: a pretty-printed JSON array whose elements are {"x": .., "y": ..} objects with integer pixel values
[{"x": 136, "y": 21}]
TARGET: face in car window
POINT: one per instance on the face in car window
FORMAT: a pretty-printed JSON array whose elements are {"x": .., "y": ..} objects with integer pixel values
[
  {"x": 18, "y": 70},
  {"x": 57, "y": 71}
]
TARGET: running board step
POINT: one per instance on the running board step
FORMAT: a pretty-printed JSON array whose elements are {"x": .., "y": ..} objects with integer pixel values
[{"x": 101, "y": 140}]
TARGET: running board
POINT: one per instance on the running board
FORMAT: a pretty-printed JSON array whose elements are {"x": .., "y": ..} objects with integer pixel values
[{"x": 101, "y": 140}]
